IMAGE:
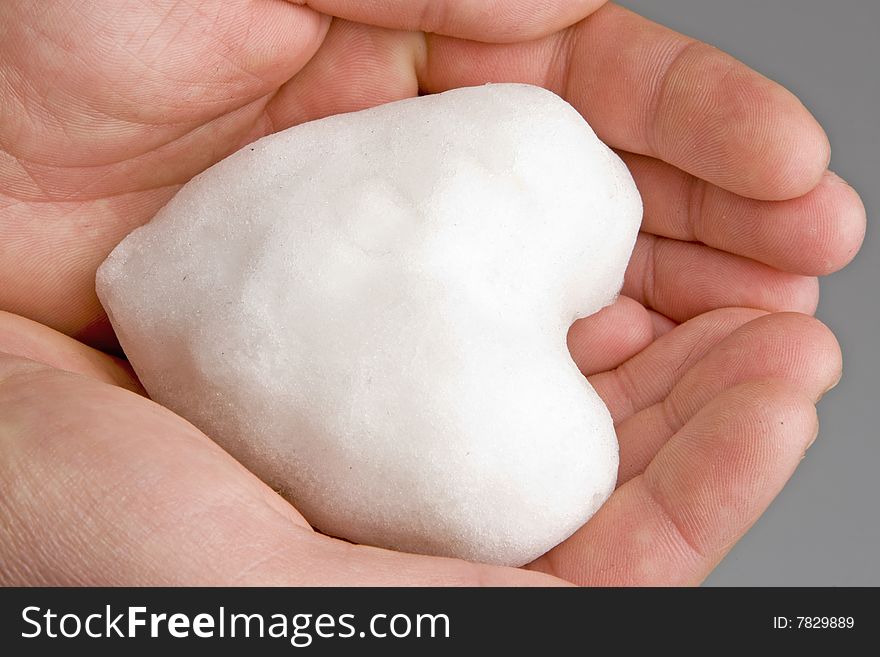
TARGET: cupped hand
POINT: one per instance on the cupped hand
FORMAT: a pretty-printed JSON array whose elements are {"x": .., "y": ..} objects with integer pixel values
[
  {"x": 99, "y": 485},
  {"x": 109, "y": 107}
]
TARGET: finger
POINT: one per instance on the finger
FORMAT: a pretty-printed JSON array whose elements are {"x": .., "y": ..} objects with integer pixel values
[
  {"x": 709, "y": 483},
  {"x": 661, "y": 324},
  {"x": 646, "y": 89},
  {"x": 616, "y": 333},
  {"x": 481, "y": 20},
  {"x": 795, "y": 349},
  {"x": 22, "y": 337},
  {"x": 683, "y": 279},
  {"x": 101, "y": 486},
  {"x": 649, "y": 376},
  {"x": 815, "y": 234},
  {"x": 357, "y": 66}
]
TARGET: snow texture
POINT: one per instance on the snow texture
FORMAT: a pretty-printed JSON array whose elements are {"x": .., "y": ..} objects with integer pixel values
[{"x": 370, "y": 312}]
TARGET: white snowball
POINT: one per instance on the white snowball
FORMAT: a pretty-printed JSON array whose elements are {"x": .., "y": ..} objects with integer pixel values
[{"x": 370, "y": 312}]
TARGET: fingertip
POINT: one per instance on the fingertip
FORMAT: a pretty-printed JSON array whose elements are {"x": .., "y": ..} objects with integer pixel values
[
  {"x": 781, "y": 422},
  {"x": 803, "y": 295},
  {"x": 603, "y": 341},
  {"x": 726, "y": 123},
  {"x": 783, "y": 416},
  {"x": 784, "y": 149},
  {"x": 821, "y": 357},
  {"x": 849, "y": 220},
  {"x": 791, "y": 348},
  {"x": 815, "y": 235},
  {"x": 804, "y": 151}
]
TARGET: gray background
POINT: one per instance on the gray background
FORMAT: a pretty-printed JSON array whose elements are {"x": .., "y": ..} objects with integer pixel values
[{"x": 824, "y": 529}]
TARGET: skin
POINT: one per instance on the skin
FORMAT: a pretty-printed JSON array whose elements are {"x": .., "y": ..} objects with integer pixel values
[{"x": 710, "y": 362}]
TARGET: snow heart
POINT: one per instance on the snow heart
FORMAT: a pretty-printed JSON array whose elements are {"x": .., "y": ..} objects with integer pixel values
[{"x": 370, "y": 312}]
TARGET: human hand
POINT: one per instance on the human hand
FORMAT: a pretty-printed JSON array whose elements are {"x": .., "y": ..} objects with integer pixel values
[
  {"x": 99, "y": 485},
  {"x": 105, "y": 125}
]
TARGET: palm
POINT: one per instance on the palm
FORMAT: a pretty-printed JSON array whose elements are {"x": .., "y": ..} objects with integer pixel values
[
  {"x": 119, "y": 109},
  {"x": 160, "y": 93}
]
